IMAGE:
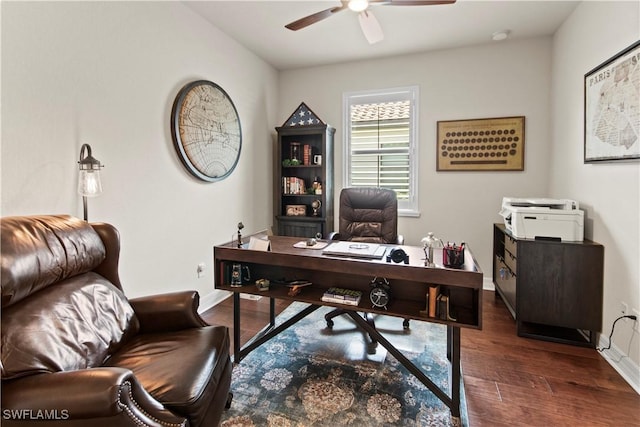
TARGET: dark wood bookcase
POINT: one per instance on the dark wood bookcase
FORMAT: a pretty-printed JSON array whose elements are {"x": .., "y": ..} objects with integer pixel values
[
  {"x": 553, "y": 289},
  {"x": 294, "y": 182}
]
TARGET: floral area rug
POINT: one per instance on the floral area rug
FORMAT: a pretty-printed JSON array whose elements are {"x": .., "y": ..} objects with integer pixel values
[{"x": 311, "y": 375}]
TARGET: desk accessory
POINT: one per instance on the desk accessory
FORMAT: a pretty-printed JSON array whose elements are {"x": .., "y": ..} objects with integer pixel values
[
  {"x": 240, "y": 227},
  {"x": 428, "y": 244},
  {"x": 240, "y": 274},
  {"x": 355, "y": 249},
  {"x": 398, "y": 255},
  {"x": 380, "y": 294},
  {"x": 453, "y": 255},
  {"x": 263, "y": 284}
]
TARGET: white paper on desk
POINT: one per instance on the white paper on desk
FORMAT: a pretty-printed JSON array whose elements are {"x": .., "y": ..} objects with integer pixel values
[{"x": 259, "y": 244}]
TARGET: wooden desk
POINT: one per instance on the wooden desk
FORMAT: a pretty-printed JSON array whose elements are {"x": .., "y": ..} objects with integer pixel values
[{"x": 409, "y": 284}]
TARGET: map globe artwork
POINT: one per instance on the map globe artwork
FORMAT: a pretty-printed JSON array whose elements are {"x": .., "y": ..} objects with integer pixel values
[{"x": 206, "y": 130}]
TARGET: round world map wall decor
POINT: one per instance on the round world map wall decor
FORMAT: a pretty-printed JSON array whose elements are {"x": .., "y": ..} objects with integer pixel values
[{"x": 206, "y": 130}]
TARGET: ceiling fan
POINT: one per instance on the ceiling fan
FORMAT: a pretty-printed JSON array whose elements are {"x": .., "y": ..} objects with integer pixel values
[{"x": 369, "y": 24}]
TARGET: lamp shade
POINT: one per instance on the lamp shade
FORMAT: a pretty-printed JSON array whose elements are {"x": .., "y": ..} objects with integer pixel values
[{"x": 89, "y": 183}]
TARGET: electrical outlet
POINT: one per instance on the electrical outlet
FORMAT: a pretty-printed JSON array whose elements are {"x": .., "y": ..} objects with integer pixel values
[
  {"x": 636, "y": 323},
  {"x": 624, "y": 308},
  {"x": 200, "y": 269}
]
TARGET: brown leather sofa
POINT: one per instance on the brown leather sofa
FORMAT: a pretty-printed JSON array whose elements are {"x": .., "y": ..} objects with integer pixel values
[{"x": 77, "y": 352}]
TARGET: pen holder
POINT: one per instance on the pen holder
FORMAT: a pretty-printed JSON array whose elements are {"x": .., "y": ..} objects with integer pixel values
[{"x": 453, "y": 256}]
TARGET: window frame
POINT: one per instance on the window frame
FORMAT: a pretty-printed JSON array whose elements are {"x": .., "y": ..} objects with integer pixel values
[{"x": 408, "y": 208}]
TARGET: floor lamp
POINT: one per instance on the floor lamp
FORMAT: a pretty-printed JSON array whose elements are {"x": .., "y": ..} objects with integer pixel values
[{"x": 89, "y": 184}]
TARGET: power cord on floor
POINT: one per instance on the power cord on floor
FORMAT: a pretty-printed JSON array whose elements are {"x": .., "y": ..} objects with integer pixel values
[{"x": 631, "y": 316}]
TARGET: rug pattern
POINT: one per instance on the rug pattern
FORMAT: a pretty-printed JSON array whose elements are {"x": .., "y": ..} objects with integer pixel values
[{"x": 310, "y": 375}]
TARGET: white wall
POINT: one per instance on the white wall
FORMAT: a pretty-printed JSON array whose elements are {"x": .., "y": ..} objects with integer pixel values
[
  {"x": 609, "y": 192},
  {"x": 106, "y": 74},
  {"x": 494, "y": 80}
]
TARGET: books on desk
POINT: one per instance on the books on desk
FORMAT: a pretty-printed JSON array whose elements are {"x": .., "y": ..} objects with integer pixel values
[
  {"x": 342, "y": 296},
  {"x": 438, "y": 305}
]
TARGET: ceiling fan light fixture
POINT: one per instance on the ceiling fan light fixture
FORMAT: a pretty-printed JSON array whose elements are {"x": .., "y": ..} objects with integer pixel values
[{"x": 358, "y": 5}]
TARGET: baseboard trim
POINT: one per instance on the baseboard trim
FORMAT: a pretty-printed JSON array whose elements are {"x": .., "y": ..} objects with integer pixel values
[
  {"x": 627, "y": 369},
  {"x": 212, "y": 299},
  {"x": 487, "y": 284}
]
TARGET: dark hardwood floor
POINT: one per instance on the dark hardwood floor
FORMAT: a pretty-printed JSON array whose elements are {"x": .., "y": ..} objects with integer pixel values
[{"x": 509, "y": 380}]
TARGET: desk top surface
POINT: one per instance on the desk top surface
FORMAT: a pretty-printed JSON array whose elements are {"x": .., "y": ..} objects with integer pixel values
[{"x": 284, "y": 245}]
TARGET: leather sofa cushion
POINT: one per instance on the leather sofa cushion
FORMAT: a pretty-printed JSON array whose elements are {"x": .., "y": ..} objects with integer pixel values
[
  {"x": 181, "y": 369},
  {"x": 39, "y": 251},
  {"x": 73, "y": 325}
]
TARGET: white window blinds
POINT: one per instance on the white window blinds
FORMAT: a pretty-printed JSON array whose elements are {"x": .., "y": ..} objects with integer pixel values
[{"x": 380, "y": 143}]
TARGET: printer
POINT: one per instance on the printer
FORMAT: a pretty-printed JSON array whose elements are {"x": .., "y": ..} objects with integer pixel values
[{"x": 539, "y": 218}]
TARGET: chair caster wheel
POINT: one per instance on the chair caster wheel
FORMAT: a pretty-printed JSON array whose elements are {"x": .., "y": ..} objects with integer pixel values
[
  {"x": 372, "y": 347},
  {"x": 330, "y": 324}
]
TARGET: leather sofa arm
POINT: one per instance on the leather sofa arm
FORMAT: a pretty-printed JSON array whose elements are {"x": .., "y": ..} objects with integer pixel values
[
  {"x": 168, "y": 312},
  {"x": 111, "y": 395}
]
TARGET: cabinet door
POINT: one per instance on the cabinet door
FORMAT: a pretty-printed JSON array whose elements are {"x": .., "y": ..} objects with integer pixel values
[
  {"x": 560, "y": 284},
  {"x": 300, "y": 228}
]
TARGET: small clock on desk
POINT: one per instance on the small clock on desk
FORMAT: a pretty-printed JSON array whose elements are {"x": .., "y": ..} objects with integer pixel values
[{"x": 380, "y": 294}]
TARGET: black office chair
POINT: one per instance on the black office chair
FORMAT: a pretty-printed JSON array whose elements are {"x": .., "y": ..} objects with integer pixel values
[{"x": 370, "y": 215}]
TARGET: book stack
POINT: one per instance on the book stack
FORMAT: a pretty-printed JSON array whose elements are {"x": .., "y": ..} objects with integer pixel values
[
  {"x": 342, "y": 296},
  {"x": 438, "y": 305},
  {"x": 306, "y": 154},
  {"x": 293, "y": 185}
]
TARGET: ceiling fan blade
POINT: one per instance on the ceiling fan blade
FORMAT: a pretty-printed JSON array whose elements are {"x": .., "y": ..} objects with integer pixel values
[
  {"x": 412, "y": 2},
  {"x": 316, "y": 17},
  {"x": 370, "y": 27}
]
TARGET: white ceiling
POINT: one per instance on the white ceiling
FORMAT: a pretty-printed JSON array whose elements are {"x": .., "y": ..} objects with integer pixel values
[{"x": 259, "y": 25}]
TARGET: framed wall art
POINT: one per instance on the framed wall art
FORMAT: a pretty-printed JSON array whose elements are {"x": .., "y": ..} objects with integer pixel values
[
  {"x": 495, "y": 144},
  {"x": 206, "y": 132},
  {"x": 612, "y": 108}
]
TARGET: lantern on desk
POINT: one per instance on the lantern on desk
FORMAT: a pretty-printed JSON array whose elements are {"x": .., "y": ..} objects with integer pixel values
[{"x": 428, "y": 244}]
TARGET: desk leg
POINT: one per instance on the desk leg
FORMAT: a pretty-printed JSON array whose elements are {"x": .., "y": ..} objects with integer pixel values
[
  {"x": 453, "y": 344},
  {"x": 236, "y": 327},
  {"x": 272, "y": 312},
  {"x": 453, "y": 349}
]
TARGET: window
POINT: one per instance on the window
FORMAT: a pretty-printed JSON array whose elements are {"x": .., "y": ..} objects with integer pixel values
[{"x": 380, "y": 143}]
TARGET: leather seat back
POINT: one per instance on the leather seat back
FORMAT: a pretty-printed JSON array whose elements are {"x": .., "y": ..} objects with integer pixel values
[
  {"x": 368, "y": 214},
  {"x": 57, "y": 314}
]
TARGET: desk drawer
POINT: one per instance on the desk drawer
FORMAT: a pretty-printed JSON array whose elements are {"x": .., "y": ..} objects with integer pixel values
[
  {"x": 511, "y": 261},
  {"x": 505, "y": 280},
  {"x": 511, "y": 245}
]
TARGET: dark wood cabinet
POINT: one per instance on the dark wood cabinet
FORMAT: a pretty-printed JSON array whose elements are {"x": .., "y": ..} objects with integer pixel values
[
  {"x": 553, "y": 289},
  {"x": 304, "y": 161}
]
